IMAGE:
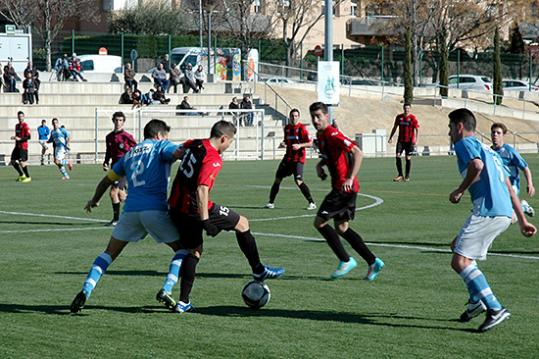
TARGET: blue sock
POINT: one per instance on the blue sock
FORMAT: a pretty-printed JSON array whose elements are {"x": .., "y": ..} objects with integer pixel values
[
  {"x": 63, "y": 171},
  {"x": 478, "y": 287},
  {"x": 99, "y": 267},
  {"x": 174, "y": 270}
]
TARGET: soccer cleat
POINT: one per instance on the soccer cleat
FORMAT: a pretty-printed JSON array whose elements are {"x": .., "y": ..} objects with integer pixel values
[
  {"x": 65, "y": 178},
  {"x": 269, "y": 206},
  {"x": 20, "y": 178},
  {"x": 182, "y": 307},
  {"x": 311, "y": 206},
  {"x": 343, "y": 268},
  {"x": 406, "y": 179},
  {"x": 269, "y": 273},
  {"x": 472, "y": 311},
  {"x": 70, "y": 165},
  {"x": 78, "y": 302},
  {"x": 166, "y": 299},
  {"x": 112, "y": 223},
  {"x": 398, "y": 179},
  {"x": 527, "y": 209},
  {"x": 494, "y": 317},
  {"x": 26, "y": 180},
  {"x": 374, "y": 269}
]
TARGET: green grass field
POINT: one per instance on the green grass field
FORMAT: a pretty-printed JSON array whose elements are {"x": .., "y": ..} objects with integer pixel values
[{"x": 48, "y": 244}]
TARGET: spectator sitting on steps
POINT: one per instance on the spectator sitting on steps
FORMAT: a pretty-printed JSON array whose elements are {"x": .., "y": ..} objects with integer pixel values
[
  {"x": 200, "y": 78},
  {"x": 159, "y": 76},
  {"x": 159, "y": 95},
  {"x": 126, "y": 97},
  {"x": 129, "y": 77},
  {"x": 29, "y": 88}
]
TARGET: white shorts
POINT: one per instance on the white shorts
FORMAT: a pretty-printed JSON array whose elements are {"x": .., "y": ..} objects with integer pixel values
[
  {"x": 134, "y": 226},
  {"x": 43, "y": 144},
  {"x": 60, "y": 153},
  {"x": 477, "y": 234}
]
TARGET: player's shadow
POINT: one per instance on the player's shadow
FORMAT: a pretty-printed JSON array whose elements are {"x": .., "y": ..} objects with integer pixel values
[
  {"x": 154, "y": 273},
  {"x": 514, "y": 252},
  {"x": 378, "y": 319},
  {"x": 48, "y": 223},
  {"x": 434, "y": 244},
  {"x": 64, "y": 309}
]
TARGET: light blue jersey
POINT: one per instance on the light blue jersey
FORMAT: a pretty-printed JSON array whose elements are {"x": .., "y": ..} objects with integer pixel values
[
  {"x": 43, "y": 133},
  {"x": 513, "y": 162},
  {"x": 147, "y": 169},
  {"x": 59, "y": 138},
  {"x": 490, "y": 196}
]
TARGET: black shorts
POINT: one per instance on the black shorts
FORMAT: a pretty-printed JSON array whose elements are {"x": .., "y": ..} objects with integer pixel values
[
  {"x": 191, "y": 229},
  {"x": 287, "y": 168},
  {"x": 407, "y": 147},
  {"x": 338, "y": 205},
  {"x": 121, "y": 184},
  {"x": 19, "y": 154}
]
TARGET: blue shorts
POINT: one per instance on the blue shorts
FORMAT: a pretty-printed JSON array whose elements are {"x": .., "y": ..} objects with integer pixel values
[{"x": 134, "y": 226}]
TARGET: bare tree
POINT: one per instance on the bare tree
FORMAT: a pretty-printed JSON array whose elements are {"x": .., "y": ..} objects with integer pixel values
[{"x": 47, "y": 17}]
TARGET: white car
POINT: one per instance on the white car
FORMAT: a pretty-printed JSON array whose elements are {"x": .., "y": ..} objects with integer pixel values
[
  {"x": 470, "y": 82},
  {"x": 517, "y": 85},
  {"x": 279, "y": 80}
]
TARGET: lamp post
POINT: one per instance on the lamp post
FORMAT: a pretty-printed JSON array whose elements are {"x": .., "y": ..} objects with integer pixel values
[
  {"x": 210, "y": 72},
  {"x": 200, "y": 22}
]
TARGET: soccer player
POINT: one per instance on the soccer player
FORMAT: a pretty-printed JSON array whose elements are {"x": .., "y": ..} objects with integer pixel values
[
  {"x": 296, "y": 139},
  {"x": 147, "y": 168},
  {"x": 60, "y": 138},
  {"x": 19, "y": 156},
  {"x": 343, "y": 159},
  {"x": 193, "y": 212},
  {"x": 492, "y": 197},
  {"x": 43, "y": 132},
  {"x": 408, "y": 130},
  {"x": 119, "y": 142},
  {"x": 513, "y": 161}
]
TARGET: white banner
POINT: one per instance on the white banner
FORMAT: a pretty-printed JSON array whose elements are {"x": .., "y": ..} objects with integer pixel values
[{"x": 329, "y": 86}]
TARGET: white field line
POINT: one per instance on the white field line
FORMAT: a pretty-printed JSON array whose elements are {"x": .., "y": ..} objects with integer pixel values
[
  {"x": 45, "y": 230},
  {"x": 53, "y": 216}
]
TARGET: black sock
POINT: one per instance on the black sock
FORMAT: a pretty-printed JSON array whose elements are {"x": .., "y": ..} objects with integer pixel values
[
  {"x": 408, "y": 167},
  {"x": 273, "y": 192},
  {"x": 334, "y": 242},
  {"x": 116, "y": 211},
  {"x": 399, "y": 165},
  {"x": 17, "y": 166},
  {"x": 306, "y": 193},
  {"x": 188, "y": 270},
  {"x": 25, "y": 170},
  {"x": 359, "y": 246},
  {"x": 247, "y": 244}
]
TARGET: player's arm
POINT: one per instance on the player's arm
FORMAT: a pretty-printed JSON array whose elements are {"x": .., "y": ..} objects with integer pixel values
[
  {"x": 357, "y": 157},
  {"x": 475, "y": 166},
  {"x": 416, "y": 134},
  {"x": 101, "y": 188},
  {"x": 527, "y": 229},
  {"x": 320, "y": 169},
  {"x": 203, "y": 196},
  {"x": 108, "y": 156},
  {"x": 395, "y": 125},
  {"x": 178, "y": 153},
  {"x": 529, "y": 181}
]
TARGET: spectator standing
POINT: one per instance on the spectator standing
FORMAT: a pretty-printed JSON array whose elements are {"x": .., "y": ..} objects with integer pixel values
[
  {"x": 29, "y": 88},
  {"x": 246, "y": 104},
  {"x": 1, "y": 78},
  {"x": 174, "y": 77},
  {"x": 234, "y": 105},
  {"x": 35, "y": 77},
  {"x": 10, "y": 78},
  {"x": 200, "y": 78},
  {"x": 159, "y": 76},
  {"x": 75, "y": 68},
  {"x": 65, "y": 68},
  {"x": 129, "y": 77},
  {"x": 166, "y": 63},
  {"x": 59, "y": 68},
  {"x": 189, "y": 79}
]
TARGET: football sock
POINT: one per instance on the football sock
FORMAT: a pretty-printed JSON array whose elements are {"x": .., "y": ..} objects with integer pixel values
[
  {"x": 273, "y": 192},
  {"x": 63, "y": 171},
  {"x": 116, "y": 211},
  {"x": 188, "y": 269},
  {"x": 359, "y": 246},
  {"x": 174, "y": 270},
  {"x": 478, "y": 287},
  {"x": 99, "y": 267},
  {"x": 306, "y": 192},
  {"x": 399, "y": 165},
  {"x": 247, "y": 244},
  {"x": 25, "y": 170},
  {"x": 408, "y": 167},
  {"x": 17, "y": 167},
  {"x": 334, "y": 242}
]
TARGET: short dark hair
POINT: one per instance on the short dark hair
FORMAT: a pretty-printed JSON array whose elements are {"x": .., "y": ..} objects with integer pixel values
[
  {"x": 464, "y": 116},
  {"x": 155, "y": 127},
  {"x": 20, "y": 113},
  {"x": 221, "y": 128},
  {"x": 406, "y": 104},
  {"x": 499, "y": 125},
  {"x": 315, "y": 106},
  {"x": 54, "y": 119},
  {"x": 117, "y": 114},
  {"x": 294, "y": 110}
]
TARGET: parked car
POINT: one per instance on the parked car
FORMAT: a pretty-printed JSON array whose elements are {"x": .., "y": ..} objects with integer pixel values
[
  {"x": 470, "y": 82},
  {"x": 279, "y": 80},
  {"x": 517, "y": 85},
  {"x": 101, "y": 63}
]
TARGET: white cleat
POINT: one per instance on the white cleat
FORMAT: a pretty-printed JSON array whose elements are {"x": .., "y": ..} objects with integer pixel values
[
  {"x": 311, "y": 206},
  {"x": 269, "y": 206}
]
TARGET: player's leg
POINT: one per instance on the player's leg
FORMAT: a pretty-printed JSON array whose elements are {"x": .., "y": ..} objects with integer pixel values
[
  {"x": 15, "y": 157},
  {"x": 188, "y": 273},
  {"x": 408, "y": 154},
  {"x": 43, "y": 151},
  {"x": 165, "y": 293},
  {"x": 282, "y": 172},
  {"x": 298, "y": 178},
  {"x": 398, "y": 163},
  {"x": 115, "y": 199},
  {"x": 473, "y": 242},
  {"x": 24, "y": 165},
  {"x": 59, "y": 160}
]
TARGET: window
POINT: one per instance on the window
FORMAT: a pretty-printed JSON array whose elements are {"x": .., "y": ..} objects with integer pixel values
[
  {"x": 87, "y": 65},
  {"x": 257, "y": 7},
  {"x": 353, "y": 8},
  {"x": 485, "y": 79}
]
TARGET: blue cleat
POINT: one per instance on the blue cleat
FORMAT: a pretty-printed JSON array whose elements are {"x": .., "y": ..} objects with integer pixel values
[
  {"x": 182, "y": 307},
  {"x": 343, "y": 268},
  {"x": 374, "y": 269},
  {"x": 269, "y": 273}
]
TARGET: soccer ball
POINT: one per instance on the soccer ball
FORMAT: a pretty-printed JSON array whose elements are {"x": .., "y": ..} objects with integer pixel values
[{"x": 256, "y": 294}]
